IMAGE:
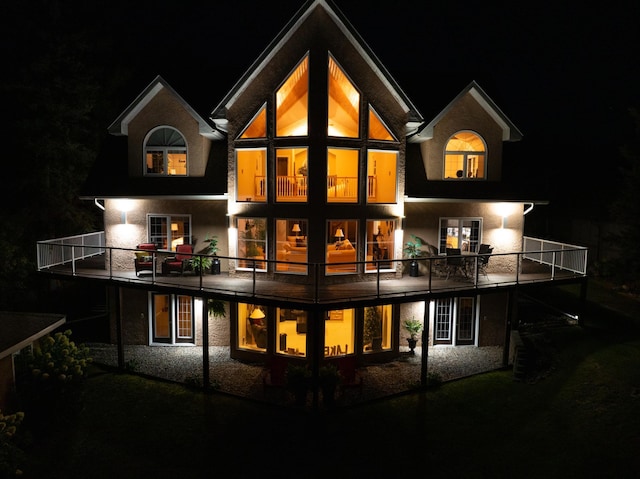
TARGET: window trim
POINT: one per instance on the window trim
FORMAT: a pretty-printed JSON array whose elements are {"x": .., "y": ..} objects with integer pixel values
[
  {"x": 453, "y": 322},
  {"x": 168, "y": 218},
  {"x": 174, "y": 338},
  {"x": 442, "y": 235}
]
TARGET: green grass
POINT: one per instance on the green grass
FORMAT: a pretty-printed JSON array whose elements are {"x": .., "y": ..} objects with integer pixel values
[{"x": 581, "y": 420}]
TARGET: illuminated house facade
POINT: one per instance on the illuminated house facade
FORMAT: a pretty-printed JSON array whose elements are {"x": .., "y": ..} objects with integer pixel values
[{"x": 312, "y": 173}]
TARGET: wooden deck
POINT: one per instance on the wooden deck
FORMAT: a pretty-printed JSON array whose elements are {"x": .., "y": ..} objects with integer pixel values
[{"x": 304, "y": 291}]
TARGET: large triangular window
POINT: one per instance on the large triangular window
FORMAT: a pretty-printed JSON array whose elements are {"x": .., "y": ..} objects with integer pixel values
[
  {"x": 258, "y": 126},
  {"x": 344, "y": 104},
  {"x": 292, "y": 103}
]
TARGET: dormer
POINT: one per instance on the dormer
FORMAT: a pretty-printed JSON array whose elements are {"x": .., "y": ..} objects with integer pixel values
[
  {"x": 166, "y": 136},
  {"x": 463, "y": 143}
]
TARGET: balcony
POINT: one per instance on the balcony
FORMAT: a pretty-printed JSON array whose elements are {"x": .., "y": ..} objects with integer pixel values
[{"x": 539, "y": 261}]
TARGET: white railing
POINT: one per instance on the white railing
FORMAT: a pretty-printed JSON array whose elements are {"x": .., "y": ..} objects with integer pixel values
[
  {"x": 558, "y": 255},
  {"x": 342, "y": 187},
  {"x": 291, "y": 187},
  {"x": 60, "y": 251}
]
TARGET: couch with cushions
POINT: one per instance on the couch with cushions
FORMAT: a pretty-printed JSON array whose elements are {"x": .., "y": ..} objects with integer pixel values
[{"x": 342, "y": 253}]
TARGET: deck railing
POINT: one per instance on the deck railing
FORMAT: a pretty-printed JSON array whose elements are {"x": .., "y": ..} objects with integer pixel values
[
  {"x": 552, "y": 253},
  {"x": 305, "y": 282},
  {"x": 70, "y": 249}
]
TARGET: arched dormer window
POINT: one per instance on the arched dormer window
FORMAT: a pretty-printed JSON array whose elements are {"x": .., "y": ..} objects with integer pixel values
[
  {"x": 165, "y": 153},
  {"x": 465, "y": 157}
]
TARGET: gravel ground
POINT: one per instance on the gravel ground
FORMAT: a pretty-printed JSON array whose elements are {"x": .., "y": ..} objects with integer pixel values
[{"x": 184, "y": 364}]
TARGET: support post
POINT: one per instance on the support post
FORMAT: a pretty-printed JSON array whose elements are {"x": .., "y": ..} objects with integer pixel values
[{"x": 206, "y": 380}]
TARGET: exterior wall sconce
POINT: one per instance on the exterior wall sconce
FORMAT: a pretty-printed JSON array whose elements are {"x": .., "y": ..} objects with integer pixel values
[
  {"x": 504, "y": 222},
  {"x": 123, "y": 217}
]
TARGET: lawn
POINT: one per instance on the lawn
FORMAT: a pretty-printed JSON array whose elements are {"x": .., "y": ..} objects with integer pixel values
[{"x": 580, "y": 419}]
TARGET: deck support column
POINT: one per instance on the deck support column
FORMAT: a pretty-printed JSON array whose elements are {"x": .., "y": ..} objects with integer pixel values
[
  {"x": 119, "y": 332},
  {"x": 425, "y": 345},
  {"x": 206, "y": 380}
]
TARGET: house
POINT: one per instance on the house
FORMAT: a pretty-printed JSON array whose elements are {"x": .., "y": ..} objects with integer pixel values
[{"x": 312, "y": 174}]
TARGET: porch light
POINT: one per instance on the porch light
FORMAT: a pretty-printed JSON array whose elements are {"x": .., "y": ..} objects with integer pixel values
[{"x": 256, "y": 314}]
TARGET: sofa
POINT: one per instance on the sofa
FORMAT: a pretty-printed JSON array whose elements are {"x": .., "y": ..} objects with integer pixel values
[{"x": 342, "y": 253}]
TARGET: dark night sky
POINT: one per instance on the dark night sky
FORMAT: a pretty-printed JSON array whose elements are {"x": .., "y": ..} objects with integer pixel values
[{"x": 564, "y": 74}]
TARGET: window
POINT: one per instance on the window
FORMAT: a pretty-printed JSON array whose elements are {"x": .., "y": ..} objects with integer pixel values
[
  {"x": 342, "y": 175},
  {"x": 341, "y": 246},
  {"x": 252, "y": 327},
  {"x": 168, "y": 231},
  {"x": 257, "y": 128},
  {"x": 381, "y": 176},
  {"x": 454, "y": 314},
  {"x": 291, "y": 332},
  {"x": 463, "y": 233},
  {"x": 380, "y": 244},
  {"x": 165, "y": 153},
  {"x": 172, "y": 318},
  {"x": 344, "y": 104},
  {"x": 465, "y": 157},
  {"x": 377, "y": 129},
  {"x": 252, "y": 243},
  {"x": 292, "y": 100},
  {"x": 376, "y": 333},
  {"x": 291, "y": 174},
  {"x": 339, "y": 333},
  {"x": 251, "y": 180},
  {"x": 291, "y": 246}
]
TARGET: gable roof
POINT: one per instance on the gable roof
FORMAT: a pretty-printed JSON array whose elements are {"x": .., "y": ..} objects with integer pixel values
[
  {"x": 218, "y": 114},
  {"x": 120, "y": 127},
  {"x": 509, "y": 131}
]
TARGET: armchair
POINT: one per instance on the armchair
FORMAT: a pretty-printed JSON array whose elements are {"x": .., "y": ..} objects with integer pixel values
[
  {"x": 145, "y": 259},
  {"x": 180, "y": 262}
]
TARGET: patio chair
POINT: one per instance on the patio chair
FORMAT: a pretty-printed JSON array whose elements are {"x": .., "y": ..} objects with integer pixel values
[
  {"x": 180, "y": 262},
  {"x": 348, "y": 368},
  {"x": 455, "y": 262},
  {"x": 145, "y": 259},
  {"x": 484, "y": 254}
]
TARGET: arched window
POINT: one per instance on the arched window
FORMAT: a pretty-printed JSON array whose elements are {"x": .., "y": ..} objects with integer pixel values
[
  {"x": 465, "y": 157},
  {"x": 165, "y": 153}
]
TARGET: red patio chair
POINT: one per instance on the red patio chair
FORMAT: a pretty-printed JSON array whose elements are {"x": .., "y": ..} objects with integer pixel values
[
  {"x": 145, "y": 259},
  {"x": 180, "y": 262}
]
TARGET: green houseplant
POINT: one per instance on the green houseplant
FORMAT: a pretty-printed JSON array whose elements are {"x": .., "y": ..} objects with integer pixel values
[
  {"x": 413, "y": 327},
  {"x": 413, "y": 252},
  {"x": 212, "y": 249}
]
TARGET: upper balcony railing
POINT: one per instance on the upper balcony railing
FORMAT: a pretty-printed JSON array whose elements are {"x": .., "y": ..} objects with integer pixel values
[{"x": 320, "y": 283}]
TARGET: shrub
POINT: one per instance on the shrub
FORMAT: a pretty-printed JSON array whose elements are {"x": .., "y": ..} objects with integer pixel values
[{"x": 10, "y": 454}]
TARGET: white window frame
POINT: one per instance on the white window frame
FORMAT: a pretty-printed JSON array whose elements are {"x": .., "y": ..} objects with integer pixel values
[{"x": 165, "y": 149}]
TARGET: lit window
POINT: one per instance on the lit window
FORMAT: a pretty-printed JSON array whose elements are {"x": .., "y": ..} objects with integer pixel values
[
  {"x": 252, "y": 243},
  {"x": 165, "y": 153},
  {"x": 342, "y": 175},
  {"x": 292, "y": 103},
  {"x": 344, "y": 104},
  {"x": 381, "y": 176},
  {"x": 463, "y": 233},
  {"x": 465, "y": 157},
  {"x": 291, "y": 244},
  {"x": 252, "y": 327},
  {"x": 377, "y": 129},
  {"x": 291, "y": 175},
  {"x": 380, "y": 244},
  {"x": 168, "y": 231},
  {"x": 339, "y": 333},
  {"x": 172, "y": 318},
  {"x": 251, "y": 180},
  {"x": 258, "y": 126},
  {"x": 291, "y": 332},
  {"x": 342, "y": 252},
  {"x": 454, "y": 321},
  {"x": 376, "y": 334}
]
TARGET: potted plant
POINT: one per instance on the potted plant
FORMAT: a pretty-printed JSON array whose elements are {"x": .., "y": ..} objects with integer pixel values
[
  {"x": 413, "y": 252},
  {"x": 212, "y": 249},
  {"x": 201, "y": 263},
  {"x": 373, "y": 328},
  {"x": 413, "y": 327},
  {"x": 330, "y": 379}
]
